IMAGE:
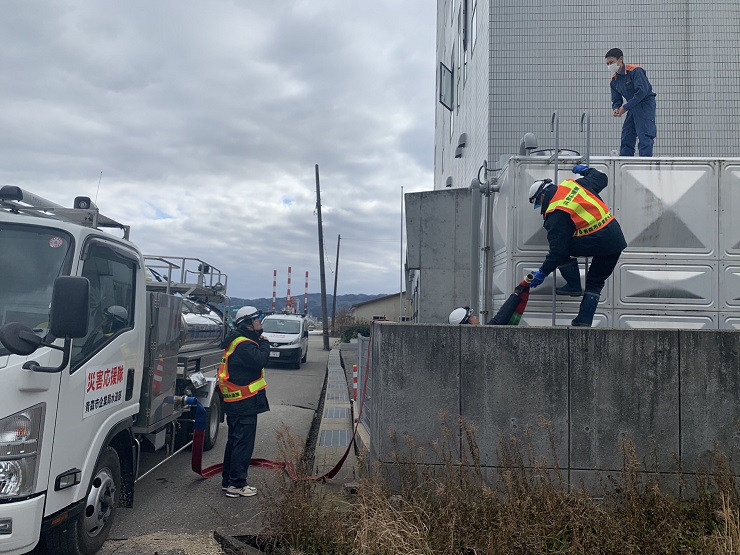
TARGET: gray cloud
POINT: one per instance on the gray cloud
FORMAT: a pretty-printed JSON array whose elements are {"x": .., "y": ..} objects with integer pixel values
[{"x": 206, "y": 120}]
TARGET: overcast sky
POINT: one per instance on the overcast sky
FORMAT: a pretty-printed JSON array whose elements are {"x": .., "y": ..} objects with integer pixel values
[{"x": 206, "y": 120}]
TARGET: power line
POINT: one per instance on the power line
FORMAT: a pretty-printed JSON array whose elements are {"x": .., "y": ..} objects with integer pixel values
[{"x": 373, "y": 240}]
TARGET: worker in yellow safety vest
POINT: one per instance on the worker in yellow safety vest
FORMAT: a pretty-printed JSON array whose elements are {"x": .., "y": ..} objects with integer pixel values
[
  {"x": 241, "y": 379},
  {"x": 578, "y": 223}
]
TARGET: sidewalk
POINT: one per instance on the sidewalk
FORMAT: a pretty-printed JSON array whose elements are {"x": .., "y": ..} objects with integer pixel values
[
  {"x": 335, "y": 431},
  {"x": 330, "y": 442}
]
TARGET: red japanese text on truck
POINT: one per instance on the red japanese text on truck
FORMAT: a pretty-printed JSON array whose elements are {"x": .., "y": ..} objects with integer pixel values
[{"x": 99, "y": 345}]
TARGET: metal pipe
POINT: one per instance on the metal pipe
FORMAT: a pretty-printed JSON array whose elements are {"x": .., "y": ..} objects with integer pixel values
[
  {"x": 152, "y": 469},
  {"x": 491, "y": 188},
  {"x": 585, "y": 116},
  {"x": 555, "y": 127},
  {"x": 475, "y": 205}
]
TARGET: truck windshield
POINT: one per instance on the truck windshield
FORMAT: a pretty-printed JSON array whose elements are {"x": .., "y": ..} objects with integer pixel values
[
  {"x": 280, "y": 326},
  {"x": 31, "y": 257}
]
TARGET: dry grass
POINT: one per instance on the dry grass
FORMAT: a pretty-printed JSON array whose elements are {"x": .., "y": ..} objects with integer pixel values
[{"x": 454, "y": 506}]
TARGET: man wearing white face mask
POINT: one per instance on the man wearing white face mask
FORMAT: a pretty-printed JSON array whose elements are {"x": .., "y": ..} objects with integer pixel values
[{"x": 633, "y": 95}]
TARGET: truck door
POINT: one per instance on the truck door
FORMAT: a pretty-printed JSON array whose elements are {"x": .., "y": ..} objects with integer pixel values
[{"x": 93, "y": 392}]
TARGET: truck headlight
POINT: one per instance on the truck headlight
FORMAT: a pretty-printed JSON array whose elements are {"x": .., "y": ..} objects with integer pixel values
[{"x": 20, "y": 443}]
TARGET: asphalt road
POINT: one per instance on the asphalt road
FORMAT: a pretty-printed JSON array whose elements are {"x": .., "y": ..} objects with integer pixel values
[{"x": 175, "y": 511}]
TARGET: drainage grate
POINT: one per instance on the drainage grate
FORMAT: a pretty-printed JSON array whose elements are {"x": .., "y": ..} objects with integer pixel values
[
  {"x": 337, "y": 396},
  {"x": 336, "y": 412},
  {"x": 334, "y": 438}
]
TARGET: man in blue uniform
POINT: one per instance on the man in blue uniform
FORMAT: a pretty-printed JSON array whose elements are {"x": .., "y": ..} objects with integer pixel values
[{"x": 633, "y": 95}]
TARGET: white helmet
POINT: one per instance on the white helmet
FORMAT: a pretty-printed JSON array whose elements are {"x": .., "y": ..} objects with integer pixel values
[
  {"x": 537, "y": 188},
  {"x": 246, "y": 313},
  {"x": 460, "y": 315}
]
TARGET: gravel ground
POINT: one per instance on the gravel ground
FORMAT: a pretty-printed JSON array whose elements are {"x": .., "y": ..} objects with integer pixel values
[{"x": 166, "y": 543}]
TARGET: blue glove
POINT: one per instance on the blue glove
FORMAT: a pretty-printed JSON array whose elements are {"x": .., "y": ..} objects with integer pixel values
[
  {"x": 539, "y": 277},
  {"x": 581, "y": 169}
]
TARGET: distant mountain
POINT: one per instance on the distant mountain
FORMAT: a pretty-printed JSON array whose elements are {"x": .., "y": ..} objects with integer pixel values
[{"x": 344, "y": 302}]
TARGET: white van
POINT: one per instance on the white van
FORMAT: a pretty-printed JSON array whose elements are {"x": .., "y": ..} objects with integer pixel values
[{"x": 288, "y": 336}]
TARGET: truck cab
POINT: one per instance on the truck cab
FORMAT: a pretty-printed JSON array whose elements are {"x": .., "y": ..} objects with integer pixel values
[
  {"x": 96, "y": 359},
  {"x": 288, "y": 336}
]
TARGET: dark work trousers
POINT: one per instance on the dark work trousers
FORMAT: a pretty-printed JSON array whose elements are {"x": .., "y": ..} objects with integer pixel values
[
  {"x": 639, "y": 124},
  {"x": 239, "y": 449},
  {"x": 599, "y": 271}
]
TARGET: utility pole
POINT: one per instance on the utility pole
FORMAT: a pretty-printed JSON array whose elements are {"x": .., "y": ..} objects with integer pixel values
[
  {"x": 400, "y": 277},
  {"x": 334, "y": 299},
  {"x": 324, "y": 315}
]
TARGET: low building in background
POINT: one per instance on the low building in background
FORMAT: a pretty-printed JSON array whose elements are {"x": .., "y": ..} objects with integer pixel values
[{"x": 393, "y": 308}]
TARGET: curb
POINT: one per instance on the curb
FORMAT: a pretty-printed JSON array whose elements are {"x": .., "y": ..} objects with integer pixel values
[{"x": 233, "y": 546}]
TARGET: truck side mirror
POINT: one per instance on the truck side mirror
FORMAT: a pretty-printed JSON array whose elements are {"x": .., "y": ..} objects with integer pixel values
[
  {"x": 19, "y": 339},
  {"x": 70, "y": 307}
]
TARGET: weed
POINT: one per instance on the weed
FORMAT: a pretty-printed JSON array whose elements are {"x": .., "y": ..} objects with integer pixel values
[{"x": 453, "y": 506}]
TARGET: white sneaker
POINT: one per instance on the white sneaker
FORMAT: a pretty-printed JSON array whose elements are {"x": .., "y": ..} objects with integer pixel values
[{"x": 246, "y": 491}]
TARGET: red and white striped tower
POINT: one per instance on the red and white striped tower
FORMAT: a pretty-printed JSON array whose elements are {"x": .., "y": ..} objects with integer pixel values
[
  {"x": 288, "y": 304},
  {"x": 274, "y": 291},
  {"x": 305, "y": 297}
]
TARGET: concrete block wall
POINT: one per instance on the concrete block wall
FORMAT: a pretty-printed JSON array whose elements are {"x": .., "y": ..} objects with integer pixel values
[
  {"x": 674, "y": 393},
  {"x": 438, "y": 231}
]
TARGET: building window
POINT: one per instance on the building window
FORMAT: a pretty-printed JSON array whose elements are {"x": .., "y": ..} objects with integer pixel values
[
  {"x": 381, "y": 318},
  {"x": 445, "y": 86},
  {"x": 473, "y": 25},
  {"x": 452, "y": 98}
]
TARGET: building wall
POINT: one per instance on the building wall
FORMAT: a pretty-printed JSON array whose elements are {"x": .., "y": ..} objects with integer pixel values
[
  {"x": 538, "y": 57},
  {"x": 385, "y": 307},
  {"x": 471, "y": 104},
  {"x": 438, "y": 243}
]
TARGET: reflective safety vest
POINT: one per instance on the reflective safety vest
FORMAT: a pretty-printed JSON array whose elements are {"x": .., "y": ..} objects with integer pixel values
[
  {"x": 588, "y": 212},
  {"x": 232, "y": 392}
]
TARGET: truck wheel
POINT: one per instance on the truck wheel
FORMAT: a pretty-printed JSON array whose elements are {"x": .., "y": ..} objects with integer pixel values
[
  {"x": 213, "y": 423},
  {"x": 305, "y": 356},
  {"x": 86, "y": 533}
]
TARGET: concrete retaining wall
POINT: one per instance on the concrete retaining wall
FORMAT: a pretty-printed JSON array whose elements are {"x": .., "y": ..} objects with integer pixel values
[{"x": 675, "y": 393}]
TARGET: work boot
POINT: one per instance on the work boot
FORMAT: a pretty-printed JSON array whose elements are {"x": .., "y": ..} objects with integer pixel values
[
  {"x": 572, "y": 275},
  {"x": 585, "y": 317}
]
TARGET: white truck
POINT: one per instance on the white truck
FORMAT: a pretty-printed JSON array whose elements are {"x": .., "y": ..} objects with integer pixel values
[{"x": 99, "y": 345}]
